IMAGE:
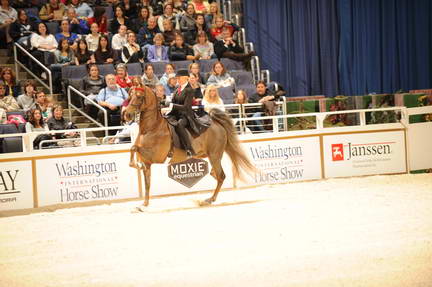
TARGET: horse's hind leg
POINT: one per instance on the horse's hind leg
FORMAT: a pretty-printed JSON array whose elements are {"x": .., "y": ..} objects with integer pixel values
[{"x": 218, "y": 173}]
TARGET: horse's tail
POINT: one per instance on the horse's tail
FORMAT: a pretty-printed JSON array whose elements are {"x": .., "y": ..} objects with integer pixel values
[{"x": 238, "y": 157}]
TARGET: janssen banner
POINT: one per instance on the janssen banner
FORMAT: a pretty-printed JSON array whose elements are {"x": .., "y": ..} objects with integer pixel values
[
  {"x": 364, "y": 153},
  {"x": 284, "y": 160},
  {"x": 86, "y": 178},
  {"x": 16, "y": 185}
]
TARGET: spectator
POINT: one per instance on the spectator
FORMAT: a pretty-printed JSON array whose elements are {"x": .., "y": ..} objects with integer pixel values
[
  {"x": 171, "y": 85},
  {"x": 158, "y": 7},
  {"x": 194, "y": 68},
  {"x": 82, "y": 9},
  {"x": 168, "y": 15},
  {"x": 164, "y": 100},
  {"x": 148, "y": 4},
  {"x": 217, "y": 29},
  {"x": 261, "y": 96},
  {"x": 119, "y": 39},
  {"x": 141, "y": 20},
  {"x": 52, "y": 11},
  {"x": 220, "y": 77},
  {"x": 211, "y": 99},
  {"x": 8, "y": 15},
  {"x": 228, "y": 48},
  {"x": 104, "y": 54},
  {"x": 77, "y": 25},
  {"x": 214, "y": 12},
  {"x": 35, "y": 122},
  {"x": 83, "y": 56},
  {"x": 148, "y": 77},
  {"x": 92, "y": 39},
  {"x": 27, "y": 101},
  {"x": 118, "y": 20},
  {"x": 169, "y": 71},
  {"x": 44, "y": 44},
  {"x": 197, "y": 88},
  {"x": 180, "y": 51},
  {"x": 21, "y": 4},
  {"x": 157, "y": 52},
  {"x": 131, "y": 52},
  {"x": 146, "y": 34},
  {"x": 187, "y": 21},
  {"x": 64, "y": 56},
  {"x": 130, "y": 8},
  {"x": 203, "y": 48},
  {"x": 44, "y": 104},
  {"x": 21, "y": 30},
  {"x": 201, "y": 7},
  {"x": 93, "y": 83},
  {"x": 200, "y": 26},
  {"x": 100, "y": 19},
  {"x": 241, "y": 97},
  {"x": 122, "y": 77},
  {"x": 7, "y": 103},
  {"x": 169, "y": 33},
  {"x": 65, "y": 33},
  {"x": 57, "y": 122},
  {"x": 124, "y": 135},
  {"x": 111, "y": 98},
  {"x": 8, "y": 78}
]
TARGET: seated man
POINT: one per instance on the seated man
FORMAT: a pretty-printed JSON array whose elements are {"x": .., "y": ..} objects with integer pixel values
[
  {"x": 119, "y": 39},
  {"x": 261, "y": 96},
  {"x": 111, "y": 98},
  {"x": 228, "y": 48}
]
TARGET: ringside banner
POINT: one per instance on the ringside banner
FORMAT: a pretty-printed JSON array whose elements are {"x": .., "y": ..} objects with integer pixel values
[
  {"x": 16, "y": 185},
  {"x": 364, "y": 153},
  {"x": 86, "y": 178},
  {"x": 284, "y": 160}
]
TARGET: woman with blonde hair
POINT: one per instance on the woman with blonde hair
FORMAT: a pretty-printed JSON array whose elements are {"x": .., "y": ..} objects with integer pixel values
[{"x": 212, "y": 100}]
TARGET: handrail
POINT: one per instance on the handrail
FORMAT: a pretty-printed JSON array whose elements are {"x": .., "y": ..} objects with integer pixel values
[
  {"x": 265, "y": 76},
  {"x": 255, "y": 67},
  {"x": 236, "y": 19},
  {"x": 17, "y": 62},
  {"x": 71, "y": 88},
  {"x": 66, "y": 140},
  {"x": 227, "y": 10}
]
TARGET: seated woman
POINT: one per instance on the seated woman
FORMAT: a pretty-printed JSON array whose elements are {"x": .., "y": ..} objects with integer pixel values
[
  {"x": 203, "y": 48},
  {"x": 92, "y": 84},
  {"x": 83, "y": 56},
  {"x": 141, "y": 20},
  {"x": 220, "y": 76},
  {"x": 168, "y": 14},
  {"x": 157, "y": 52},
  {"x": 7, "y": 103},
  {"x": 212, "y": 100},
  {"x": 197, "y": 87},
  {"x": 187, "y": 20},
  {"x": 169, "y": 71},
  {"x": 104, "y": 54},
  {"x": 43, "y": 44},
  {"x": 149, "y": 78},
  {"x": 179, "y": 51},
  {"x": 64, "y": 56},
  {"x": 8, "y": 78},
  {"x": 21, "y": 30},
  {"x": 213, "y": 13},
  {"x": 131, "y": 52},
  {"x": 36, "y": 123},
  {"x": 122, "y": 77},
  {"x": 100, "y": 19},
  {"x": 200, "y": 26},
  {"x": 92, "y": 39},
  {"x": 169, "y": 33},
  {"x": 58, "y": 122},
  {"x": 65, "y": 33},
  {"x": 119, "y": 19},
  {"x": 27, "y": 101},
  {"x": 194, "y": 68}
]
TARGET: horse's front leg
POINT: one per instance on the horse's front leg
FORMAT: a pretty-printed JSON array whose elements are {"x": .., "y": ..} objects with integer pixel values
[
  {"x": 147, "y": 176},
  {"x": 132, "y": 162}
]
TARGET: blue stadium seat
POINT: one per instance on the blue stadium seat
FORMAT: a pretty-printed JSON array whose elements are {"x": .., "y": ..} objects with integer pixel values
[
  {"x": 134, "y": 69},
  {"x": 53, "y": 27},
  {"x": 159, "y": 67},
  {"x": 106, "y": 69},
  {"x": 227, "y": 95},
  {"x": 74, "y": 72},
  {"x": 242, "y": 78}
]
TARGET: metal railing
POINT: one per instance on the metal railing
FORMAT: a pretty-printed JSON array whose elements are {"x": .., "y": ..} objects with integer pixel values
[
  {"x": 32, "y": 58},
  {"x": 227, "y": 10},
  {"x": 73, "y": 142},
  {"x": 265, "y": 76},
  {"x": 255, "y": 69},
  {"x": 83, "y": 97}
]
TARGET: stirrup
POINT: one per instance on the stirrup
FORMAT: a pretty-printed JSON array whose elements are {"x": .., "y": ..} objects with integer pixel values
[{"x": 190, "y": 154}]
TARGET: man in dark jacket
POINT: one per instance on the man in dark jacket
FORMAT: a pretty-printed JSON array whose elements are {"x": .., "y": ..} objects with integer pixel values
[{"x": 228, "y": 48}]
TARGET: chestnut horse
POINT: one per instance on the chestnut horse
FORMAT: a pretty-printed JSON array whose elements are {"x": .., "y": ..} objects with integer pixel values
[{"x": 153, "y": 143}]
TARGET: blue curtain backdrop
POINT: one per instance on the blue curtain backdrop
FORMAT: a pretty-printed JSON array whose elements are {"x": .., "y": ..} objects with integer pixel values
[
  {"x": 297, "y": 41},
  {"x": 349, "y": 47}
]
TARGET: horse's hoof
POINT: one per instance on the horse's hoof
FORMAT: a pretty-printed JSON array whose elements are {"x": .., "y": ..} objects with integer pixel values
[
  {"x": 140, "y": 208},
  {"x": 206, "y": 202}
]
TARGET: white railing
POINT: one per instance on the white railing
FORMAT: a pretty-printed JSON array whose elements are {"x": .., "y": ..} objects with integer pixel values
[
  {"x": 71, "y": 107},
  {"x": 255, "y": 67},
  {"x": 227, "y": 10},
  {"x": 32, "y": 58},
  {"x": 265, "y": 76}
]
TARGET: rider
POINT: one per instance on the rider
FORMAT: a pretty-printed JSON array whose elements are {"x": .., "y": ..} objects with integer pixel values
[{"x": 182, "y": 116}]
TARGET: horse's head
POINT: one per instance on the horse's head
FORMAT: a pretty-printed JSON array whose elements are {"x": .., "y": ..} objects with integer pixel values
[{"x": 141, "y": 99}]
